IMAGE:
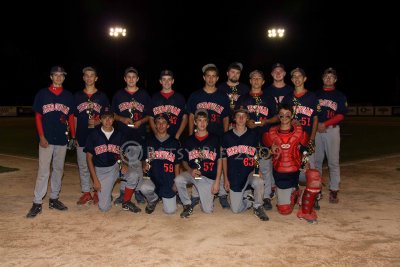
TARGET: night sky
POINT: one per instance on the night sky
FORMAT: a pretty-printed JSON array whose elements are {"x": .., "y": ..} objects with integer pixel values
[{"x": 185, "y": 35}]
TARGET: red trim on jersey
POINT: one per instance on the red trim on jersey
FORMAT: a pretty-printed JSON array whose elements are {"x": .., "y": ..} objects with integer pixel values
[
  {"x": 255, "y": 94},
  {"x": 71, "y": 122},
  {"x": 55, "y": 90},
  {"x": 299, "y": 94},
  {"x": 167, "y": 95},
  {"x": 334, "y": 120},
  {"x": 329, "y": 88},
  {"x": 39, "y": 124},
  {"x": 201, "y": 138},
  {"x": 89, "y": 95}
]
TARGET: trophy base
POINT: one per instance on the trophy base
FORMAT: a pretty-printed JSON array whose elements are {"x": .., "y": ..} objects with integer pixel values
[
  {"x": 146, "y": 177},
  {"x": 91, "y": 127},
  {"x": 131, "y": 125},
  {"x": 256, "y": 174},
  {"x": 257, "y": 122},
  {"x": 198, "y": 178}
]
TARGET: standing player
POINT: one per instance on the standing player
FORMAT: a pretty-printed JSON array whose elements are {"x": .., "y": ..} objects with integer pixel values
[
  {"x": 163, "y": 154},
  {"x": 278, "y": 89},
  {"x": 53, "y": 107},
  {"x": 217, "y": 105},
  {"x": 287, "y": 141},
  {"x": 305, "y": 107},
  {"x": 262, "y": 109},
  {"x": 232, "y": 87},
  {"x": 240, "y": 147},
  {"x": 171, "y": 103},
  {"x": 333, "y": 105},
  {"x": 102, "y": 152},
  {"x": 131, "y": 106},
  {"x": 201, "y": 160},
  {"x": 88, "y": 103}
]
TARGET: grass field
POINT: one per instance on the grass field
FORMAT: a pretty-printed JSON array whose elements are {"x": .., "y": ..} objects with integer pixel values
[{"x": 362, "y": 137}]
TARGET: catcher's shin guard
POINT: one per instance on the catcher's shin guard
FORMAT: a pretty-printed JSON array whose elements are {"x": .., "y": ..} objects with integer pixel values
[
  {"x": 286, "y": 209},
  {"x": 313, "y": 187}
]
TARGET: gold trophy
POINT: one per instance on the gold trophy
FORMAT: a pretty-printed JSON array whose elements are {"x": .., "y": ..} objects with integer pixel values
[
  {"x": 261, "y": 153},
  {"x": 257, "y": 107},
  {"x": 256, "y": 165},
  {"x": 131, "y": 109},
  {"x": 296, "y": 106},
  {"x": 89, "y": 111},
  {"x": 232, "y": 97}
]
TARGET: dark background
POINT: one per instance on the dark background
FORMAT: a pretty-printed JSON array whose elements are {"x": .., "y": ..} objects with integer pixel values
[{"x": 358, "y": 40}]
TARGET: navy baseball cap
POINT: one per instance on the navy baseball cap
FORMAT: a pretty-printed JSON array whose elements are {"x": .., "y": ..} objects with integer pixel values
[
  {"x": 236, "y": 66},
  {"x": 166, "y": 73},
  {"x": 131, "y": 69},
  {"x": 208, "y": 66},
  {"x": 330, "y": 71},
  {"x": 57, "y": 69},
  {"x": 298, "y": 70},
  {"x": 162, "y": 116},
  {"x": 278, "y": 65},
  {"x": 106, "y": 111}
]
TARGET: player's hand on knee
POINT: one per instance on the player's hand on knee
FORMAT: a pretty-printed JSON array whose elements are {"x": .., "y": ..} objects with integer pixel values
[{"x": 43, "y": 142}]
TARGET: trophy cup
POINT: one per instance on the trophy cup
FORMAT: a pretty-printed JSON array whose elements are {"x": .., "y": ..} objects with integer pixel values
[
  {"x": 232, "y": 97},
  {"x": 131, "y": 109},
  {"x": 197, "y": 162},
  {"x": 120, "y": 175},
  {"x": 148, "y": 163},
  {"x": 89, "y": 111},
  {"x": 257, "y": 107},
  {"x": 296, "y": 106},
  {"x": 256, "y": 165},
  {"x": 305, "y": 159}
]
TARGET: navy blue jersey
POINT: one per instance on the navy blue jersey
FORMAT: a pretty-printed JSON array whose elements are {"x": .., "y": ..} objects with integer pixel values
[
  {"x": 174, "y": 106},
  {"x": 207, "y": 152},
  {"x": 331, "y": 103},
  {"x": 55, "y": 110},
  {"x": 260, "y": 108},
  {"x": 105, "y": 151},
  {"x": 82, "y": 106},
  {"x": 163, "y": 158},
  {"x": 217, "y": 106},
  {"x": 240, "y": 152},
  {"x": 278, "y": 93},
  {"x": 139, "y": 104},
  {"x": 305, "y": 107},
  {"x": 235, "y": 92}
]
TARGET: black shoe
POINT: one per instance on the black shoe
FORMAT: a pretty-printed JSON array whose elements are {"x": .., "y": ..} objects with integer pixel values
[
  {"x": 260, "y": 213},
  {"x": 187, "y": 211},
  {"x": 139, "y": 197},
  {"x": 35, "y": 210},
  {"x": 57, "y": 204},
  {"x": 267, "y": 204},
  {"x": 151, "y": 207},
  {"x": 333, "y": 197},
  {"x": 120, "y": 199},
  {"x": 223, "y": 200},
  {"x": 195, "y": 201},
  {"x": 129, "y": 206}
]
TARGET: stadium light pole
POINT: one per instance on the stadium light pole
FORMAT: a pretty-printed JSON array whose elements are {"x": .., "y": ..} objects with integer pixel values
[{"x": 117, "y": 33}]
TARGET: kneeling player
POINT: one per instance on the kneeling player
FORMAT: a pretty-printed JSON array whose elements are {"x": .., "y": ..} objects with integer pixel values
[
  {"x": 162, "y": 166},
  {"x": 240, "y": 147}
]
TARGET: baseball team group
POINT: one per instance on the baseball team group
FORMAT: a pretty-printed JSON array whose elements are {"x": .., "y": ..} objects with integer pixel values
[{"x": 241, "y": 144}]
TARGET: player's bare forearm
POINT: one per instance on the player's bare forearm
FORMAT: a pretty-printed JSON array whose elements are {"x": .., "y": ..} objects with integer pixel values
[
  {"x": 225, "y": 167},
  {"x": 93, "y": 175},
  {"x": 226, "y": 124},
  {"x": 152, "y": 124},
  {"x": 191, "y": 123},
  {"x": 182, "y": 127},
  {"x": 177, "y": 169},
  {"x": 314, "y": 128}
]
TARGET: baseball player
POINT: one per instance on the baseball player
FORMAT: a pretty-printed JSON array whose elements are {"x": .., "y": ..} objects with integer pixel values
[
  {"x": 163, "y": 155},
  {"x": 131, "y": 106},
  {"x": 233, "y": 87},
  {"x": 278, "y": 89},
  {"x": 239, "y": 154},
  {"x": 305, "y": 107},
  {"x": 201, "y": 160},
  {"x": 262, "y": 110},
  {"x": 88, "y": 104},
  {"x": 217, "y": 105},
  {"x": 333, "y": 105},
  {"x": 103, "y": 150},
  {"x": 171, "y": 103},
  {"x": 53, "y": 107},
  {"x": 287, "y": 142}
]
